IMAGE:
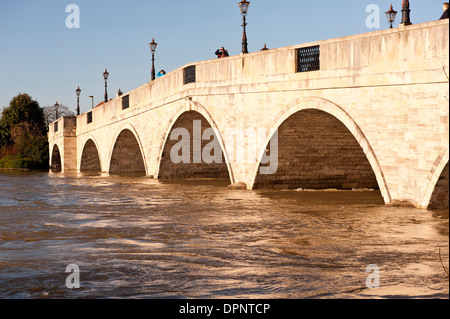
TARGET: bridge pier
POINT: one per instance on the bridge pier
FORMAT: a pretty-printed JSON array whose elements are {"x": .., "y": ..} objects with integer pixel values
[{"x": 63, "y": 145}]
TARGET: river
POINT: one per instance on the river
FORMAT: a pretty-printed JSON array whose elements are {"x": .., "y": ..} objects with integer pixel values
[{"x": 135, "y": 237}]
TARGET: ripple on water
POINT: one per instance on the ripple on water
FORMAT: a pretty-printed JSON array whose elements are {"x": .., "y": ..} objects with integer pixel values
[{"x": 137, "y": 237}]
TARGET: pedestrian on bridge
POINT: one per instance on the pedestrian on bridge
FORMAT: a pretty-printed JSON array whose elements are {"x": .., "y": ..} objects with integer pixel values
[
  {"x": 222, "y": 52},
  {"x": 445, "y": 14}
]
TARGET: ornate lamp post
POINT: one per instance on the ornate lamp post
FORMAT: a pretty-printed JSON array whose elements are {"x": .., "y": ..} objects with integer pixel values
[
  {"x": 390, "y": 15},
  {"x": 92, "y": 98},
  {"x": 105, "y": 76},
  {"x": 406, "y": 13},
  {"x": 56, "y": 110},
  {"x": 243, "y": 5},
  {"x": 153, "y": 46},
  {"x": 78, "y": 91}
]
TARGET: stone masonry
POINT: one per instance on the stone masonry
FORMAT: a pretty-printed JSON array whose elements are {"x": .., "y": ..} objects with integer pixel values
[{"x": 375, "y": 115}]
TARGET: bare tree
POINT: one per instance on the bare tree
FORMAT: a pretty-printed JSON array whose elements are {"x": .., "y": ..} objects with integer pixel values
[{"x": 54, "y": 112}]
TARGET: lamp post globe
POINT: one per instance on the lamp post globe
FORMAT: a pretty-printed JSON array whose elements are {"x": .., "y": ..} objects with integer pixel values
[
  {"x": 390, "y": 15},
  {"x": 243, "y": 5}
]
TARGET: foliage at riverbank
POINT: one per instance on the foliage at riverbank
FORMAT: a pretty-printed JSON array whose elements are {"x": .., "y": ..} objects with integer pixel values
[
  {"x": 16, "y": 162},
  {"x": 23, "y": 135}
]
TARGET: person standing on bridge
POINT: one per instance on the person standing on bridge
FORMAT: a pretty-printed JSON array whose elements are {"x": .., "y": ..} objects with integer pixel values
[
  {"x": 221, "y": 53},
  {"x": 445, "y": 14}
]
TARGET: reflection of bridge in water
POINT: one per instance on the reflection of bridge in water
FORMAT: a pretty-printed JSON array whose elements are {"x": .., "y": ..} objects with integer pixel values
[{"x": 373, "y": 113}]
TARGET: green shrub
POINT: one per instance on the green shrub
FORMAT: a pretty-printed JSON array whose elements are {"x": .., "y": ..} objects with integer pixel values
[
  {"x": 23, "y": 138},
  {"x": 14, "y": 161},
  {"x": 21, "y": 162}
]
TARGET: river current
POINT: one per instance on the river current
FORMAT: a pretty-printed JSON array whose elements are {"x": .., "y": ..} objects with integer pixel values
[{"x": 135, "y": 237}]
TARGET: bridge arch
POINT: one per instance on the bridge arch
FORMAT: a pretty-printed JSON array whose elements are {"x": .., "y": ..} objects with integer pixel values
[
  {"x": 127, "y": 154},
  {"x": 90, "y": 158},
  {"x": 55, "y": 160},
  {"x": 324, "y": 112},
  {"x": 436, "y": 193},
  {"x": 184, "y": 118}
]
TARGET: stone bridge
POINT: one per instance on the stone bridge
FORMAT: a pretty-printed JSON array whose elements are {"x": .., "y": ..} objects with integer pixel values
[{"x": 363, "y": 111}]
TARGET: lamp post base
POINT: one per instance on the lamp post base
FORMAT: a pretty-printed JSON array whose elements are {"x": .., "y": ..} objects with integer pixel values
[{"x": 405, "y": 24}]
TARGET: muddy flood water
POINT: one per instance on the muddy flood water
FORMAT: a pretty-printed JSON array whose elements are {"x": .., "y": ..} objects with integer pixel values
[{"x": 135, "y": 237}]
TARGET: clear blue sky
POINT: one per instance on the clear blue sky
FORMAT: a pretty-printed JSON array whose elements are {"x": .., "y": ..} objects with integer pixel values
[{"x": 40, "y": 56}]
